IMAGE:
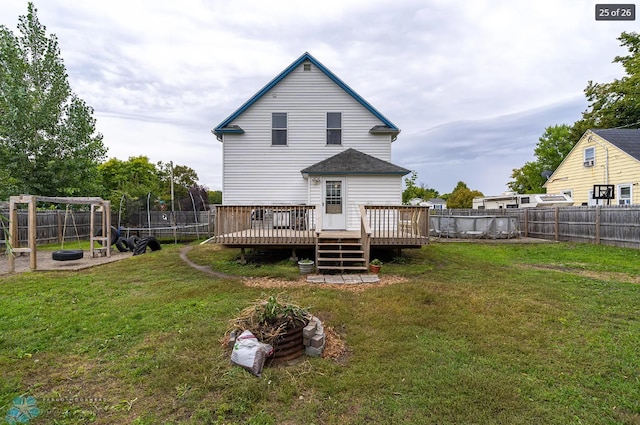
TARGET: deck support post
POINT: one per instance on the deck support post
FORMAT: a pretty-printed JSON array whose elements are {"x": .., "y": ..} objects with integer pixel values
[
  {"x": 242, "y": 259},
  {"x": 294, "y": 255}
]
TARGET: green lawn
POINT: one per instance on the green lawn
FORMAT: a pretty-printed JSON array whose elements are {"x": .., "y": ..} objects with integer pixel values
[{"x": 477, "y": 333}]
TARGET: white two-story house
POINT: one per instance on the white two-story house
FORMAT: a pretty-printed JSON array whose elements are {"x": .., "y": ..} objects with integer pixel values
[{"x": 304, "y": 153}]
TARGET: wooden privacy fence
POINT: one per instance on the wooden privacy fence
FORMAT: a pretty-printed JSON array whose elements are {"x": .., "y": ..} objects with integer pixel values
[
  {"x": 51, "y": 225},
  {"x": 607, "y": 225}
]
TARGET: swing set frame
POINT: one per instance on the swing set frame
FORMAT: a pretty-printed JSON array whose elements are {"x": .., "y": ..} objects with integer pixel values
[{"x": 99, "y": 244}]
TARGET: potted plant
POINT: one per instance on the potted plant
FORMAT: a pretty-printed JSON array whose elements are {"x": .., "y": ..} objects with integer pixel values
[
  {"x": 375, "y": 265},
  {"x": 306, "y": 266}
]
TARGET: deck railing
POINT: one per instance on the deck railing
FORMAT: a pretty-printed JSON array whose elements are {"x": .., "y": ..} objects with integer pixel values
[
  {"x": 265, "y": 224},
  {"x": 398, "y": 225},
  {"x": 381, "y": 225}
]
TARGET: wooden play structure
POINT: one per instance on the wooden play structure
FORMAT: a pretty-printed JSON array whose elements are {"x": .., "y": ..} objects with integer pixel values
[{"x": 99, "y": 244}]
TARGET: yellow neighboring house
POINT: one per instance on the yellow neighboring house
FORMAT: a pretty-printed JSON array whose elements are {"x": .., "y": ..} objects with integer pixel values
[{"x": 601, "y": 157}]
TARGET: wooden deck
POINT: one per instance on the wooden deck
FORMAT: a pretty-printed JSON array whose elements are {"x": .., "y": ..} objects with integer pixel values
[{"x": 295, "y": 226}]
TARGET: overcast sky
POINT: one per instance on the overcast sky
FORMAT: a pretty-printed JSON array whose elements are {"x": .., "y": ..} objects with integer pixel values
[{"x": 472, "y": 84}]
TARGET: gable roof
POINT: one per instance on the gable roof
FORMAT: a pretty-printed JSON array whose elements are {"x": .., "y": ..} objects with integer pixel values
[
  {"x": 352, "y": 161},
  {"x": 224, "y": 127},
  {"x": 627, "y": 140}
]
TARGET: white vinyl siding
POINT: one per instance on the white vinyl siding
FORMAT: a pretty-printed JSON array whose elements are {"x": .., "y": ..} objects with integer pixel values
[
  {"x": 371, "y": 190},
  {"x": 362, "y": 190},
  {"x": 254, "y": 171}
]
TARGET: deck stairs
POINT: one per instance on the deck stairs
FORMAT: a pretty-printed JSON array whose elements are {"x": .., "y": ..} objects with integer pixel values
[{"x": 340, "y": 255}]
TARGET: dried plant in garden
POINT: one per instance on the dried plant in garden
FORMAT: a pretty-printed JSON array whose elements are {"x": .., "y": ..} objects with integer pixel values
[{"x": 270, "y": 318}]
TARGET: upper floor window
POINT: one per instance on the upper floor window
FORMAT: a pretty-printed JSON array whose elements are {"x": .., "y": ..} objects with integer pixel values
[
  {"x": 279, "y": 129},
  {"x": 334, "y": 128},
  {"x": 589, "y": 156}
]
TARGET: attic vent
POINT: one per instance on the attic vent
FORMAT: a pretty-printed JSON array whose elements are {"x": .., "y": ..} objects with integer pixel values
[{"x": 306, "y": 66}]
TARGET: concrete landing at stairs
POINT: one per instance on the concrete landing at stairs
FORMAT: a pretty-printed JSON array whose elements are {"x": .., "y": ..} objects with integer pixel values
[{"x": 343, "y": 279}]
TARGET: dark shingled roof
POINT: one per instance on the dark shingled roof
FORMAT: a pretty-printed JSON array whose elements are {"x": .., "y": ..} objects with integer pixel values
[
  {"x": 626, "y": 139},
  {"x": 352, "y": 161}
]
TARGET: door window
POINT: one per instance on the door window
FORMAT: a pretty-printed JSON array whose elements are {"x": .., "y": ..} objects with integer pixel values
[{"x": 333, "y": 197}]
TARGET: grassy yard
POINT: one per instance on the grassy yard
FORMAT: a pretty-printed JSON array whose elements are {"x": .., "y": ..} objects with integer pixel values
[{"x": 476, "y": 333}]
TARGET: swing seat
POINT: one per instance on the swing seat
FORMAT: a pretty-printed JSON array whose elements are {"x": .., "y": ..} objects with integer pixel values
[{"x": 67, "y": 254}]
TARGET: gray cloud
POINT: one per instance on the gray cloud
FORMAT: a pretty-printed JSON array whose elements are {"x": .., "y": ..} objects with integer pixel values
[
  {"x": 480, "y": 152},
  {"x": 451, "y": 75}
]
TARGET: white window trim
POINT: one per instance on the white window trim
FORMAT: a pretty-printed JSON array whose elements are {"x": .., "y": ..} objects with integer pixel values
[
  {"x": 334, "y": 128},
  {"x": 589, "y": 161},
  {"x": 619, "y": 194},
  {"x": 286, "y": 129}
]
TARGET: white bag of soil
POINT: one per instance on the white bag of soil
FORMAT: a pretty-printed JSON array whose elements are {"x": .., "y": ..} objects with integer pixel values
[{"x": 250, "y": 353}]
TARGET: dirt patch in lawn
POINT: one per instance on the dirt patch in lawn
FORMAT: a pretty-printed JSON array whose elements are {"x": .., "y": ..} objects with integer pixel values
[
  {"x": 45, "y": 262},
  {"x": 606, "y": 276},
  {"x": 335, "y": 347},
  {"x": 272, "y": 283},
  {"x": 267, "y": 282}
]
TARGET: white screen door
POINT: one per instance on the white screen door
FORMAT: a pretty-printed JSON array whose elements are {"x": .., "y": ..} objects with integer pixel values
[{"x": 334, "y": 217}]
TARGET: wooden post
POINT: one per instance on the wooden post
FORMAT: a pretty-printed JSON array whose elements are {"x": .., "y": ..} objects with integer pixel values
[
  {"x": 13, "y": 234},
  {"x": 59, "y": 222},
  {"x": 217, "y": 227},
  {"x": 597, "y": 236},
  {"x": 209, "y": 222},
  {"x": 32, "y": 228},
  {"x": 106, "y": 217},
  {"x": 526, "y": 222},
  {"x": 92, "y": 235},
  {"x": 556, "y": 223}
]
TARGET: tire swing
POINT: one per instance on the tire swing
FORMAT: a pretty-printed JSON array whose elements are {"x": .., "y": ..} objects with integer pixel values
[{"x": 68, "y": 254}]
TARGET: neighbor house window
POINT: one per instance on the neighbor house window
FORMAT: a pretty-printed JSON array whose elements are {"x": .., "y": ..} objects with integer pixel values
[
  {"x": 334, "y": 128},
  {"x": 279, "y": 129},
  {"x": 624, "y": 194},
  {"x": 591, "y": 201},
  {"x": 589, "y": 156}
]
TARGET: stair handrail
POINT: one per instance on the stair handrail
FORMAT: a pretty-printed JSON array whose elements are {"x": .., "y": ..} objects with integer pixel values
[
  {"x": 365, "y": 232},
  {"x": 318, "y": 231}
]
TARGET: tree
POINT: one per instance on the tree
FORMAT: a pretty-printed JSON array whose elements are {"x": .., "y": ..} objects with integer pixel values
[
  {"x": 614, "y": 104},
  {"x": 462, "y": 196},
  {"x": 197, "y": 198},
  {"x": 528, "y": 178},
  {"x": 215, "y": 196},
  {"x": 413, "y": 191},
  {"x": 552, "y": 147},
  {"x": 183, "y": 178},
  {"x": 48, "y": 142},
  {"x": 134, "y": 178},
  {"x": 611, "y": 105}
]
